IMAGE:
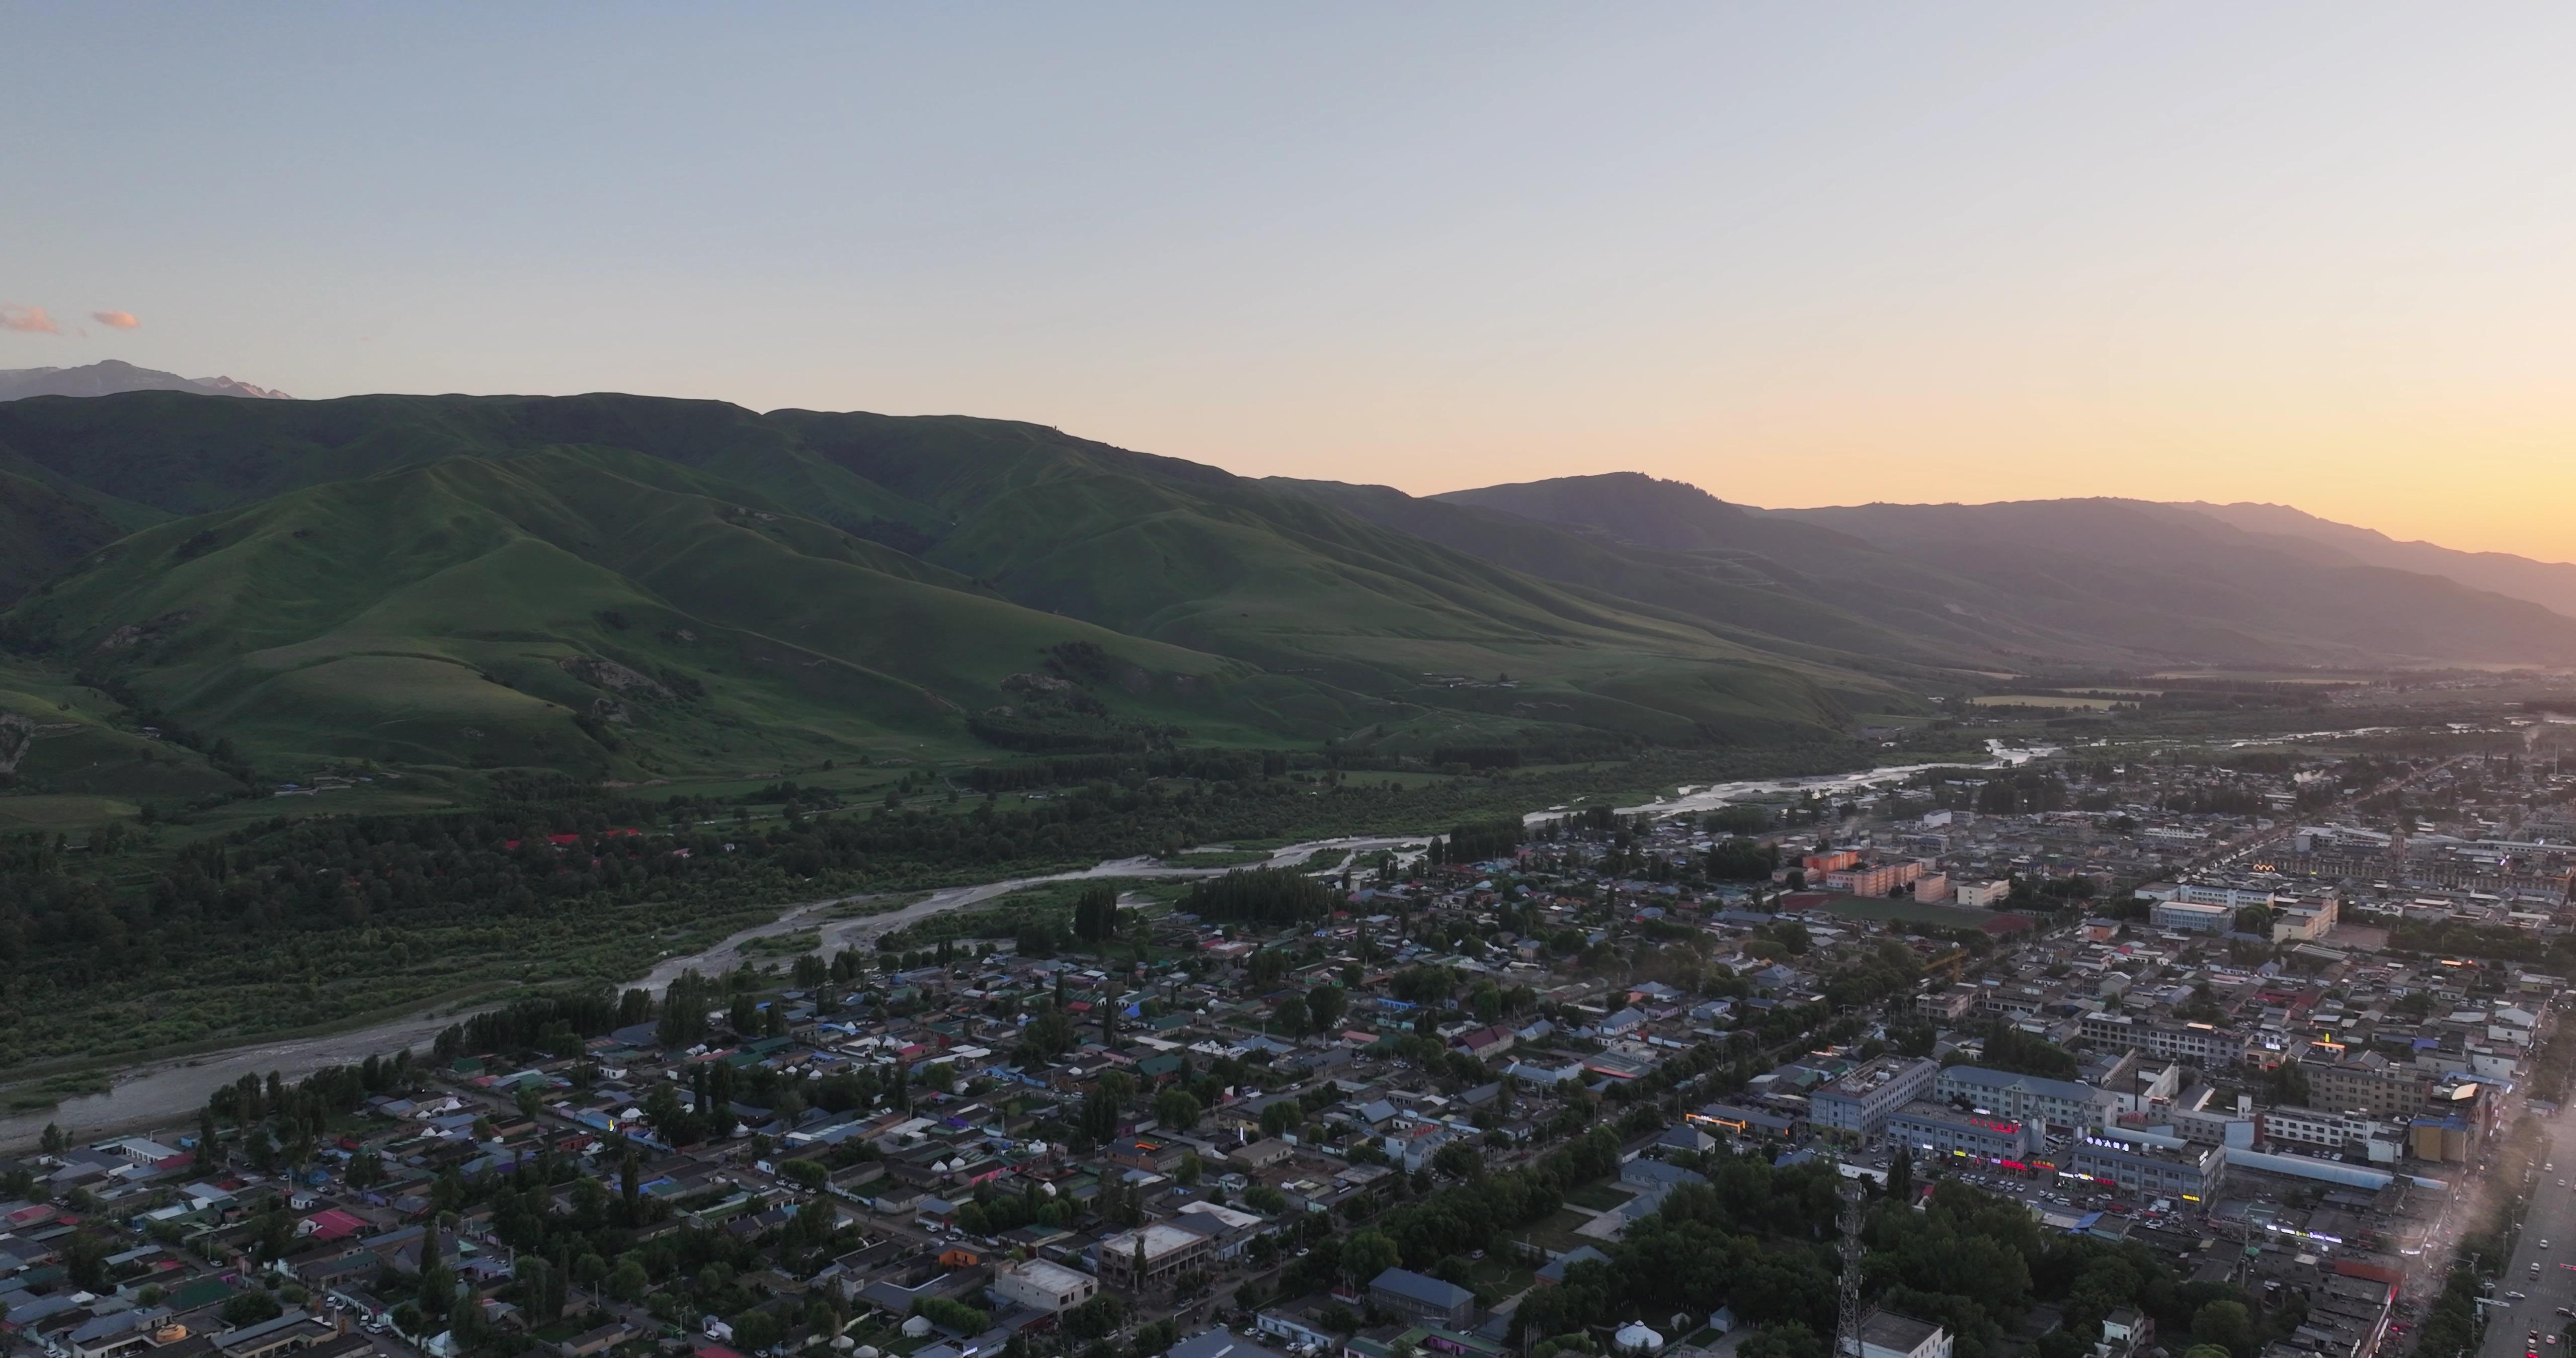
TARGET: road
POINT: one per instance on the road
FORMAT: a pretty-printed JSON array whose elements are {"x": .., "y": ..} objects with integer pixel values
[
  {"x": 2550, "y": 1218},
  {"x": 163, "y": 1094}
]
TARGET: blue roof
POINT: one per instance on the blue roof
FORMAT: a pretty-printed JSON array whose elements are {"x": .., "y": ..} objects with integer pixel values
[{"x": 1415, "y": 1287}]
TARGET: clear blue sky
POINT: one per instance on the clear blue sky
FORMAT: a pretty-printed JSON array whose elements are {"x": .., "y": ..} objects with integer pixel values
[{"x": 1794, "y": 253}]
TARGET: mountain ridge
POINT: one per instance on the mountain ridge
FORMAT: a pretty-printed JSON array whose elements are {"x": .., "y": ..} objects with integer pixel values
[{"x": 113, "y": 376}]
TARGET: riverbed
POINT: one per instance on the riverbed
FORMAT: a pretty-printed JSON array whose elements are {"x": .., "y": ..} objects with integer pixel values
[{"x": 168, "y": 1093}]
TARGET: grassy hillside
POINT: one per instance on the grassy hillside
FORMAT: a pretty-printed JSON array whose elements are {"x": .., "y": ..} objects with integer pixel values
[
  {"x": 856, "y": 583},
  {"x": 570, "y": 609}
]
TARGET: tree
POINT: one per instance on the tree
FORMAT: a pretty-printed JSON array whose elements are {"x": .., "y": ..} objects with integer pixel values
[
  {"x": 627, "y": 1281},
  {"x": 1787, "y": 1339},
  {"x": 1325, "y": 1005},
  {"x": 809, "y": 1175},
  {"x": 251, "y": 1307},
  {"x": 1366, "y": 1255},
  {"x": 1177, "y": 1109},
  {"x": 2225, "y": 1324},
  {"x": 1095, "y": 915},
  {"x": 1290, "y": 1015},
  {"x": 1900, "y": 1175}
]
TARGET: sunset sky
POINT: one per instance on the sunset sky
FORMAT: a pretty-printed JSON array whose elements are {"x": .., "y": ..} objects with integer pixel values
[{"x": 1797, "y": 254}]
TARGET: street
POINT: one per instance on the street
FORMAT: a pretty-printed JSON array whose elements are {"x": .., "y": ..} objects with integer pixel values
[{"x": 2550, "y": 1219}]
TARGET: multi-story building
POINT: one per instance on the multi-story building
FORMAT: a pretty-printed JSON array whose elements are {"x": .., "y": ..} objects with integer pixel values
[
  {"x": 2189, "y": 1172},
  {"x": 1876, "y": 879},
  {"x": 2192, "y": 917},
  {"x": 1928, "y": 1128},
  {"x": 2056, "y": 1103},
  {"x": 2205, "y": 1044},
  {"x": 2319, "y": 1130},
  {"x": 2368, "y": 1083},
  {"x": 1860, "y": 1101},
  {"x": 1946, "y": 1006},
  {"x": 1167, "y": 1251},
  {"x": 1981, "y": 895},
  {"x": 2304, "y": 920}
]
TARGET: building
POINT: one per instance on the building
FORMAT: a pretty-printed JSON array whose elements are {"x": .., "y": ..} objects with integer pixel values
[
  {"x": 1168, "y": 1252},
  {"x": 1426, "y": 1300},
  {"x": 1042, "y": 1286},
  {"x": 2191, "y": 917},
  {"x": 1876, "y": 879},
  {"x": 1929, "y": 1128},
  {"x": 1981, "y": 895},
  {"x": 2444, "y": 1140},
  {"x": 1860, "y": 1101},
  {"x": 1946, "y": 1006},
  {"x": 1885, "y": 1334},
  {"x": 2201, "y": 1043},
  {"x": 2304, "y": 921},
  {"x": 2056, "y": 1103},
  {"x": 2189, "y": 1172},
  {"x": 2314, "y": 1129},
  {"x": 2368, "y": 1084}
]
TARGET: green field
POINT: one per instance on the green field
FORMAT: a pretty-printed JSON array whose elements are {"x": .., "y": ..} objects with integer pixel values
[{"x": 2052, "y": 701}]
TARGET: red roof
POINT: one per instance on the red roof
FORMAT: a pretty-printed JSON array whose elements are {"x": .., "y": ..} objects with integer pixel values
[{"x": 334, "y": 1224}]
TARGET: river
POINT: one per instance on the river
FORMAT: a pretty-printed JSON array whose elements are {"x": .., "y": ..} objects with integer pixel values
[
  {"x": 168, "y": 1093},
  {"x": 160, "y": 1094}
]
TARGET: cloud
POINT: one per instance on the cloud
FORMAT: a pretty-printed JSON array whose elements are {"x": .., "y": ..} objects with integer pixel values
[
  {"x": 122, "y": 320},
  {"x": 31, "y": 319}
]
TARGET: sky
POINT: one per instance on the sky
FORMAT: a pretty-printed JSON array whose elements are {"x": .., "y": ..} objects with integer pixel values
[{"x": 2321, "y": 255}]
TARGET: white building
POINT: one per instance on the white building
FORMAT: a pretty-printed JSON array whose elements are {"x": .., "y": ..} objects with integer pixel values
[
  {"x": 1885, "y": 1334},
  {"x": 1043, "y": 1286}
]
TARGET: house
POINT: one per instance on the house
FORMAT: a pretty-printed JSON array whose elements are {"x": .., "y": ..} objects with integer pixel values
[
  {"x": 1262, "y": 1154},
  {"x": 1429, "y": 1300}
]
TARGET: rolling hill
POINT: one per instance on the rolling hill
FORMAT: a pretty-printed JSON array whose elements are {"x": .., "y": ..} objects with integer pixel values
[{"x": 623, "y": 586}]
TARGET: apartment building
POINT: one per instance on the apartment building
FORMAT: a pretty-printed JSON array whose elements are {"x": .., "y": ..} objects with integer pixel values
[
  {"x": 2368, "y": 1083},
  {"x": 2205, "y": 1044},
  {"x": 1859, "y": 1102},
  {"x": 1876, "y": 879}
]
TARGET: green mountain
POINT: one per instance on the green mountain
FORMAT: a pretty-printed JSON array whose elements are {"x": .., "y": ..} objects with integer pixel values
[{"x": 626, "y": 587}]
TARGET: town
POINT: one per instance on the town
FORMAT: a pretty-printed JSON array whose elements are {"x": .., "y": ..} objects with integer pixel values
[{"x": 2093, "y": 1055}]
